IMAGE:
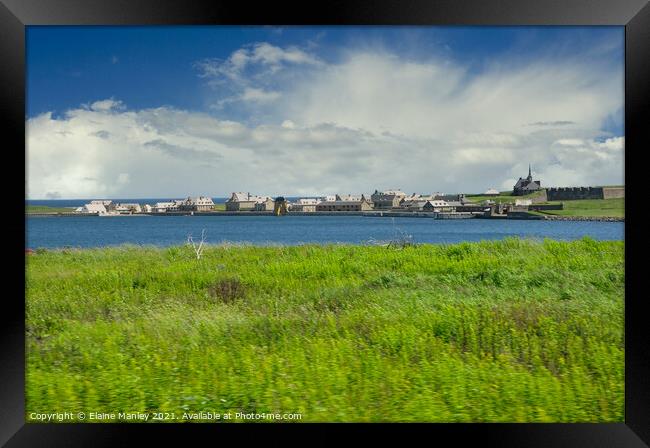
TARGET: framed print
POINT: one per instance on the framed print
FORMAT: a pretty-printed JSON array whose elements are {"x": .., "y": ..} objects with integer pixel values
[{"x": 386, "y": 219}]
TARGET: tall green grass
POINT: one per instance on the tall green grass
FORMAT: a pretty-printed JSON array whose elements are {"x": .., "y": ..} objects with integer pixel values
[
  {"x": 614, "y": 207},
  {"x": 47, "y": 209},
  {"x": 507, "y": 331}
]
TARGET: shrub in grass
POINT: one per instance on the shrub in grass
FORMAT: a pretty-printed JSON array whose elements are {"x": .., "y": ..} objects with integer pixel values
[{"x": 227, "y": 290}]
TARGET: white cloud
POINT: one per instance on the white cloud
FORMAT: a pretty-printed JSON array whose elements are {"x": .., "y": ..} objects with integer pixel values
[
  {"x": 106, "y": 105},
  {"x": 260, "y": 59},
  {"x": 244, "y": 76},
  {"x": 259, "y": 95},
  {"x": 93, "y": 152},
  {"x": 570, "y": 142},
  {"x": 372, "y": 119}
]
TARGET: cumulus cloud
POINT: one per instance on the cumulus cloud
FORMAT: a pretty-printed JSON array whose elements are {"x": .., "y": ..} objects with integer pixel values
[
  {"x": 259, "y": 95},
  {"x": 170, "y": 152},
  {"x": 368, "y": 119},
  {"x": 552, "y": 123},
  {"x": 260, "y": 55},
  {"x": 101, "y": 134},
  {"x": 106, "y": 105},
  {"x": 246, "y": 75},
  {"x": 180, "y": 152}
]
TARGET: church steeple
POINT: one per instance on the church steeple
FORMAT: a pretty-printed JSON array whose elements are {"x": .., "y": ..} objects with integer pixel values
[{"x": 530, "y": 176}]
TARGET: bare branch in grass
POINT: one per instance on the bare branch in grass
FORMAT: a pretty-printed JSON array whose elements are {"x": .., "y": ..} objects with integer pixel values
[{"x": 198, "y": 248}]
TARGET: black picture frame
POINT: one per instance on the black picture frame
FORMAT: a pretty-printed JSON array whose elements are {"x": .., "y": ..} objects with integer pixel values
[{"x": 633, "y": 14}]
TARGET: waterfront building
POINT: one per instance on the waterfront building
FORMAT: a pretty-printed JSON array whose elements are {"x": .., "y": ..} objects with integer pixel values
[
  {"x": 429, "y": 197},
  {"x": 107, "y": 203},
  {"x": 434, "y": 205},
  {"x": 163, "y": 207},
  {"x": 175, "y": 205},
  {"x": 527, "y": 185},
  {"x": 345, "y": 205},
  {"x": 196, "y": 204},
  {"x": 455, "y": 203},
  {"x": 305, "y": 205},
  {"x": 350, "y": 197},
  {"x": 127, "y": 208},
  {"x": 452, "y": 198},
  {"x": 266, "y": 205},
  {"x": 410, "y": 200},
  {"x": 94, "y": 207},
  {"x": 492, "y": 192},
  {"x": 239, "y": 201},
  {"x": 417, "y": 206},
  {"x": 387, "y": 199}
]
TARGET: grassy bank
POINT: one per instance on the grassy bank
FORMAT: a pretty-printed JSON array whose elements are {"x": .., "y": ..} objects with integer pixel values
[
  {"x": 46, "y": 209},
  {"x": 494, "y": 331},
  {"x": 614, "y": 208}
]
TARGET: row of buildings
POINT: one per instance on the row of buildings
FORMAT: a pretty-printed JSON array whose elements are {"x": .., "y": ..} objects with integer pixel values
[
  {"x": 108, "y": 207},
  {"x": 239, "y": 202},
  {"x": 384, "y": 200}
]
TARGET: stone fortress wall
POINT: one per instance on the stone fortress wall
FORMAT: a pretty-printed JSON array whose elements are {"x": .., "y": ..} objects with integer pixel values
[
  {"x": 574, "y": 193},
  {"x": 613, "y": 192}
]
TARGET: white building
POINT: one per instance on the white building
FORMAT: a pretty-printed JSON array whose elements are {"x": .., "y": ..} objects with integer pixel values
[
  {"x": 196, "y": 204},
  {"x": 163, "y": 207},
  {"x": 127, "y": 208},
  {"x": 266, "y": 205},
  {"x": 203, "y": 203},
  {"x": 352, "y": 197},
  {"x": 94, "y": 207},
  {"x": 239, "y": 201},
  {"x": 305, "y": 205}
]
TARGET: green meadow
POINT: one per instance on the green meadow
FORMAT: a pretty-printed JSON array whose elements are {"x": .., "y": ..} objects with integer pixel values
[
  {"x": 503, "y": 331},
  {"x": 614, "y": 208},
  {"x": 46, "y": 209}
]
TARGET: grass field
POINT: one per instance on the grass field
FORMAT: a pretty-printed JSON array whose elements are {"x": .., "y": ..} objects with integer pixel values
[
  {"x": 507, "y": 331},
  {"x": 46, "y": 209},
  {"x": 614, "y": 208}
]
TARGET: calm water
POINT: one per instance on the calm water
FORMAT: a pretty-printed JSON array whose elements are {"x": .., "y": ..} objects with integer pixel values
[{"x": 52, "y": 232}]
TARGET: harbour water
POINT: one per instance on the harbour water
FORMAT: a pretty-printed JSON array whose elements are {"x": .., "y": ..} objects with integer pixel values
[{"x": 59, "y": 232}]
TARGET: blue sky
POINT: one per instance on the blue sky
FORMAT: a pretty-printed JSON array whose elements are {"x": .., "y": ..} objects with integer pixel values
[{"x": 304, "y": 96}]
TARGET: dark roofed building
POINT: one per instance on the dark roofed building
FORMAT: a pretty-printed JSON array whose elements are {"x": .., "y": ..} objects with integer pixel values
[{"x": 527, "y": 185}]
